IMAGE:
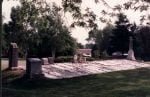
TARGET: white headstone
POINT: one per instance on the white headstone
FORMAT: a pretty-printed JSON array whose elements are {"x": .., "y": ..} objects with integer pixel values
[
  {"x": 45, "y": 61},
  {"x": 131, "y": 52},
  {"x": 75, "y": 58}
]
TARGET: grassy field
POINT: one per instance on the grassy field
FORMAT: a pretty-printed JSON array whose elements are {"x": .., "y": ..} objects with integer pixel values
[
  {"x": 5, "y": 63},
  {"x": 132, "y": 83}
]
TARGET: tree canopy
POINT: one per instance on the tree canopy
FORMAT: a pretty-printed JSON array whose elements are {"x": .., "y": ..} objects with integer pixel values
[
  {"x": 39, "y": 29},
  {"x": 119, "y": 40},
  {"x": 36, "y": 22},
  {"x": 89, "y": 18}
]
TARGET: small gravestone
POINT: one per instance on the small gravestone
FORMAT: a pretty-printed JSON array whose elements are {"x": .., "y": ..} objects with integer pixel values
[
  {"x": 131, "y": 52},
  {"x": 13, "y": 55},
  {"x": 51, "y": 60},
  {"x": 33, "y": 67},
  {"x": 75, "y": 58},
  {"x": 44, "y": 61},
  {"x": 81, "y": 58}
]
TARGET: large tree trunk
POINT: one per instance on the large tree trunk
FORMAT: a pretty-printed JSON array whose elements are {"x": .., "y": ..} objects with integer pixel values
[{"x": 0, "y": 40}]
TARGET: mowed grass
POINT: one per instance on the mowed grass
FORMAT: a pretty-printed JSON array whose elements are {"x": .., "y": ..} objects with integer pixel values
[
  {"x": 131, "y": 83},
  {"x": 5, "y": 63}
]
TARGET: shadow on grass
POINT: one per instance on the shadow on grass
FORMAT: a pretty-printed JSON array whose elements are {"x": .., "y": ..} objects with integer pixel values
[{"x": 131, "y": 83}]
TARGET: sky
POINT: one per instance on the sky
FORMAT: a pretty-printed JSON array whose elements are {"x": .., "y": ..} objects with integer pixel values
[{"x": 79, "y": 33}]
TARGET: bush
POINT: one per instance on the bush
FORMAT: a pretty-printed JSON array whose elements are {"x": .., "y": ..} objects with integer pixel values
[
  {"x": 63, "y": 59},
  {"x": 90, "y": 59}
]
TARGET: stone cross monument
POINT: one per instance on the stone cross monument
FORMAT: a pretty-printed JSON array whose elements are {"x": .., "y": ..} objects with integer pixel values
[{"x": 131, "y": 52}]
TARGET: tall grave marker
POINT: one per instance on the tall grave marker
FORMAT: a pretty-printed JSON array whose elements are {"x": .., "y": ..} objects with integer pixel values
[
  {"x": 13, "y": 55},
  {"x": 131, "y": 52}
]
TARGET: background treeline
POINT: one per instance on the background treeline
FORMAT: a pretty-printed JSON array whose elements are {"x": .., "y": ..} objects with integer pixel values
[
  {"x": 39, "y": 30},
  {"x": 115, "y": 38}
]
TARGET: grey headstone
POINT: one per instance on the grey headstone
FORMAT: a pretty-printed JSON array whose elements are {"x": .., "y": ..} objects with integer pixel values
[
  {"x": 51, "y": 60},
  {"x": 13, "y": 55},
  {"x": 33, "y": 67}
]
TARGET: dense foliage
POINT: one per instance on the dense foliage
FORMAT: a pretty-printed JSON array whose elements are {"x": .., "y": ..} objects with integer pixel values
[
  {"x": 88, "y": 18},
  {"x": 143, "y": 42},
  {"x": 38, "y": 29},
  {"x": 119, "y": 40}
]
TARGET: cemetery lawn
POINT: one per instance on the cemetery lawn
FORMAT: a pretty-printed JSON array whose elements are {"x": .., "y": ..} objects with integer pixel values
[
  {"x": 5, "y": 63},
  {"x": 130, "y": 83}
]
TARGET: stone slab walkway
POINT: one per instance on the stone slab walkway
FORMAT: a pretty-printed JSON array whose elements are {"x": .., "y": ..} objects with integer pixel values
[{"x": 69, "y": 70}]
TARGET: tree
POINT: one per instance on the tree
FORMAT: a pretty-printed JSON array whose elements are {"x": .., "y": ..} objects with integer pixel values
[
  {"x": 39, "y": 27},
  {"x": 21, "y": 28},
  {"x": 119, "y": 40},
  {"x": 101, "y": 39},
  {"x": 55, "y": 36},
  {"x": 89, "y": 18},
  {"x": 143, "y": 42},
  {"x": 1, "y": 31},
  {"x": 80, "y": 46}
]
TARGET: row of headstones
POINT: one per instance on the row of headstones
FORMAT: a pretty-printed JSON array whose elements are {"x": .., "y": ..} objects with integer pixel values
[{"x": 33, "y": 65}]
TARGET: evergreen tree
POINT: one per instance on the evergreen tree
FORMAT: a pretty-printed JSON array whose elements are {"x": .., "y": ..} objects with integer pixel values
[
  {"x": 143, "y": 42},
  {"x": 119, "y": 40}
]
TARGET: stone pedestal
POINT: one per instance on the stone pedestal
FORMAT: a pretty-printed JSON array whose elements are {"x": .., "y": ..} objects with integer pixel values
[
  {"x": 13, "y": 55},
  {"x": 33, "y": 67},
  {"x": 131, "y": 52}
]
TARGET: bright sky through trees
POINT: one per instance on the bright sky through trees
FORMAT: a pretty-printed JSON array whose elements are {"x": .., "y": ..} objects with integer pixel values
[{"x": 80, "y": 33}]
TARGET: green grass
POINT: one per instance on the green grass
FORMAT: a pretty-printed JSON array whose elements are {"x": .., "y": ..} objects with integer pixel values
[
  {"x": 5, "y": 63},
  {"x": 131, "y": 83}
]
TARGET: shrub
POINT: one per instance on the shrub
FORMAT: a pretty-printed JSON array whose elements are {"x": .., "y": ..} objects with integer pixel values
[
  {"x": 90, "y": 59},
  {"x": 63, "y": 59}
]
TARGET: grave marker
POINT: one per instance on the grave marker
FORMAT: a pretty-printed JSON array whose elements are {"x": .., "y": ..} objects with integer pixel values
[
  {"x": 131, "y": 52},
  {"x": 13, "y": 55},
  {"x": 44, "y": 61},
  {"x": 33, "y": 67},
  {"x": 51, "y": 60}
]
